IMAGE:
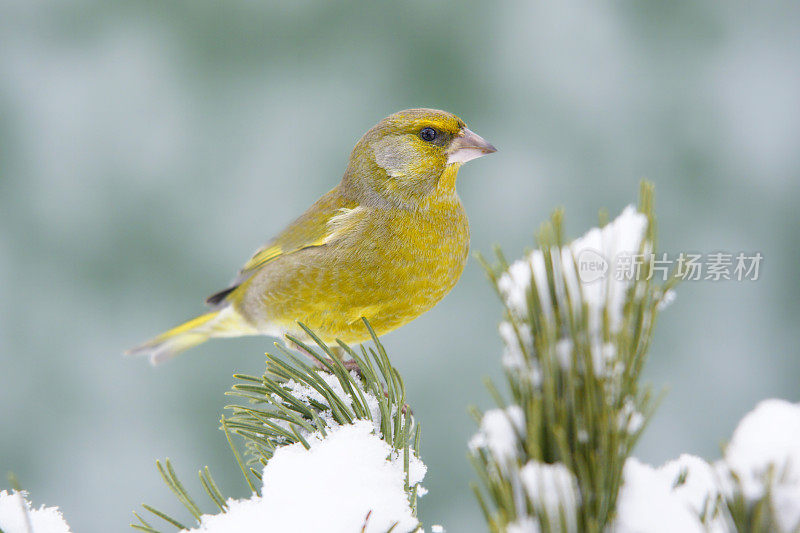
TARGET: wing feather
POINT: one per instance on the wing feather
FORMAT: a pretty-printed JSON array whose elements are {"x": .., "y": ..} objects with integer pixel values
[{"x": 324, "y": 222}]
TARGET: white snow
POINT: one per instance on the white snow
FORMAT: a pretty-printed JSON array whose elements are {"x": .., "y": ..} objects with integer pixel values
[
  {"x": 666, "y": 299},
  {"x": 630, "y": 419},
  {"x": 552, "y": 488},
  {"x": 523, "y": 525},
  {"x": 564, "y": 353},
  {"x": 500, "y": 432},
  {"x": 332, "y": 487},
  {"x": 768, "y": 439},
  {"x": 605, "y": 289},
  {"x": 699, "y": 489},
  {"x": 304, "y": 392},
  {"x": 515, "y": 283},
  {"x": 647, "y": 503},
  {"x": 513, "y": 356},
  {"x": 766, "y": 442},
  {"x": 620, "y": 238},
  {"x": 652, "y": 500},
  {"x": 17, "y": 515},
  {"x": 604, "y": 358}
]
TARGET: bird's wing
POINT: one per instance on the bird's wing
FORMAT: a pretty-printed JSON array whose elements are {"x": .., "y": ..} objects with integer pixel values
[{"x": 324, "y": 222}]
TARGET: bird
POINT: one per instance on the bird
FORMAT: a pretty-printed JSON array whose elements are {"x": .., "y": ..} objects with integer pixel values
[{"x": 386, "y": 244}]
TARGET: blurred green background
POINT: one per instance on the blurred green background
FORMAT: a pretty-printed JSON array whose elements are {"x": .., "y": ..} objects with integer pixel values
[{"x": 147, "y": 148}]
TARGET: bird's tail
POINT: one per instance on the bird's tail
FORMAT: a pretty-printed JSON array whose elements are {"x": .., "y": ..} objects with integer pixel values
[{"x": 223, "y": 323}]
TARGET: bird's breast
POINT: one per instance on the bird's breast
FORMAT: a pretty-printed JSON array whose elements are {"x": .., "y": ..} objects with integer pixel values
[{"x": 411, "y": 259}]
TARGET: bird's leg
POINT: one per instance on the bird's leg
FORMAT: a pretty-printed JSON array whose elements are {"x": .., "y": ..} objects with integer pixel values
[
  {"x": 405, "y": 407},
  {"x": 317, "y": 363},
  {"x": 338, "y": 352},
  {"x": 352, "y": 365},
  {"x": 349, "y": 365}
]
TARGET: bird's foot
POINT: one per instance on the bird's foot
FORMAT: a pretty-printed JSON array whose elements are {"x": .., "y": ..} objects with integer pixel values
[
  {"x": 350, "y": 365},
  {"x": 405, "y": 408}
]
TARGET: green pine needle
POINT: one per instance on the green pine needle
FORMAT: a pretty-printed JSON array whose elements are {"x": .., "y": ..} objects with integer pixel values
[
  {"x": 574, "y": 414},
  {"x": 273, "y": 415}
]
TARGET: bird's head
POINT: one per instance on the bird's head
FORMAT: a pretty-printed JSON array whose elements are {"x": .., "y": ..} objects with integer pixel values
[{"x": 410, "y": 155}]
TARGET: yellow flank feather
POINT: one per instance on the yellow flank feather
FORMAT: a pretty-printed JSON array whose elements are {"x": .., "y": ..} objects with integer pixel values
[
  {"x": 388, "y": 243},
  {"x": 224, "y": 323}
]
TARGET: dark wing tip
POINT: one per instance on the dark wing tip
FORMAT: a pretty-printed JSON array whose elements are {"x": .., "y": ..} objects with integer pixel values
[{"x": 219, "y": 297}]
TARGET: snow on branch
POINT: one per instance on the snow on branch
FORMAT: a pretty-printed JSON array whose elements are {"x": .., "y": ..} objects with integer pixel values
[
  {"x": 18, "y": 516},
  {"x": 755, "y": 487},
  {"x": 555, "y": 455},
  {"x": 327, "y": 449},
  {"x": 349, "y": 480},
  {"x": 576, "y": 332}
]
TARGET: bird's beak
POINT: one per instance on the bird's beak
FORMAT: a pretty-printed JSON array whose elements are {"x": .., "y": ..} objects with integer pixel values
[{"x": 466, "y": 146}]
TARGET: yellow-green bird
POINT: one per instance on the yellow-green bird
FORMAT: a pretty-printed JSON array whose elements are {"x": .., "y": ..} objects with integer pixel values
[{"x": 387, "y": 243}]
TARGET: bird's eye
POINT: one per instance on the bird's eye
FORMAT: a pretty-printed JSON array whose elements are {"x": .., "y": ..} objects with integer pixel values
[{"x": 427, "y": 134}]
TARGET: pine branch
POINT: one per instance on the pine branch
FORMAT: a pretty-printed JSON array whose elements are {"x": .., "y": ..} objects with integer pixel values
[
  {"x": 573, "y": 359},
  {"x": 293, "y": 401}
]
